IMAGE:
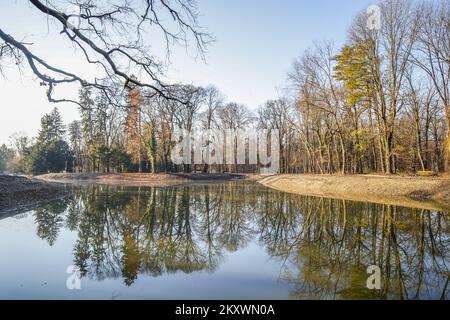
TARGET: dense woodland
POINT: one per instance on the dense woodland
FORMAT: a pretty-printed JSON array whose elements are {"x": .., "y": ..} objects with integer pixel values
[{"x": 378, "y": 104}]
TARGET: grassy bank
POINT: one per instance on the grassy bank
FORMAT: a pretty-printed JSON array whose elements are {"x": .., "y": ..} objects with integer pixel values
[{"x": 429, "y": 193}]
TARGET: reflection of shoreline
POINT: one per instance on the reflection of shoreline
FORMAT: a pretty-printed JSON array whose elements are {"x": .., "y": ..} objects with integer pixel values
[
  {"x": 413, "y": 192},
  {"x": 322, "y": 245},
  {"x": 142, "y": 179}
]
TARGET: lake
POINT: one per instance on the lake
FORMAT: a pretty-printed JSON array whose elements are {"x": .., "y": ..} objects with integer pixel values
[{"x": 232, "y": 240}]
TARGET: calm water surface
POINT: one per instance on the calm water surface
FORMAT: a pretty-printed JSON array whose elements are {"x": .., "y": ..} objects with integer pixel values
[{"x": 236, "y": 240}]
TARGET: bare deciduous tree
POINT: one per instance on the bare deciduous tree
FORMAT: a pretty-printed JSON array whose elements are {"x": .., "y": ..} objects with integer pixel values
[{"x": 113, "y": 37}]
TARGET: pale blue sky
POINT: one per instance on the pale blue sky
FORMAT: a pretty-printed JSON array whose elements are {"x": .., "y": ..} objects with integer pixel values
[{"x": 256, "y": 42}]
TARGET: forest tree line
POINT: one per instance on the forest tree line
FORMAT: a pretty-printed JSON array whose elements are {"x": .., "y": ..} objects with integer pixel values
[{"x": 378, "y": 104}]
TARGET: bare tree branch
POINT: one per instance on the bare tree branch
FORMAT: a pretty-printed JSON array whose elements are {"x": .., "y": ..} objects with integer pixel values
[{"x": 111, "y": 35}]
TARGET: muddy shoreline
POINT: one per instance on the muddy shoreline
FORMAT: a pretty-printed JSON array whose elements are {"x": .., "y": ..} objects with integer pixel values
[{"x": 19, "y": 194}]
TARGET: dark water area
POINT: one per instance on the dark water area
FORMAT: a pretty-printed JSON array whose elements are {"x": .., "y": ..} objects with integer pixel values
[{"x": 234, "y": 240}]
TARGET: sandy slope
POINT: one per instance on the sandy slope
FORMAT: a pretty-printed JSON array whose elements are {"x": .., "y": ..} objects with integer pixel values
[{"x": 428, "y": 193}]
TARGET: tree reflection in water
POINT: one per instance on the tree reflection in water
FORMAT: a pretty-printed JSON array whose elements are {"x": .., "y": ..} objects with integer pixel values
[{"x": 323, "y": 246}]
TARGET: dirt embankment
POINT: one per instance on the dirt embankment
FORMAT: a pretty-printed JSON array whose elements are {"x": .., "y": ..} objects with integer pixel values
[
  {"x": 22, "y": 193},
  {"x": 136, "y": 179},
  {"x": 428, "y": 193}
]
